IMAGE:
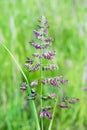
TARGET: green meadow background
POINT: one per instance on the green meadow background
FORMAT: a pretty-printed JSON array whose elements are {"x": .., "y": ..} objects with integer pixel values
[{"x": 68, "y": 25}]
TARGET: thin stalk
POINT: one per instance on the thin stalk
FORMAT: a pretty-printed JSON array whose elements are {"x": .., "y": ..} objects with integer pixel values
[
  {"x": 29, "y": 92},
  {"x": 53, "y": 114},
  {"x": 41, "y": 76},
  {"x": 41, "y": 92}
]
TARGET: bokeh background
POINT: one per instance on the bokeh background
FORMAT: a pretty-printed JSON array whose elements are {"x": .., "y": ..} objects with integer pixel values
[{"x": 68, "y": 25}]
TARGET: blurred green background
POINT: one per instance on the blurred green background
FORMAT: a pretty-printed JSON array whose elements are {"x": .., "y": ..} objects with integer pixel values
[{"x": 68, "y": 25}]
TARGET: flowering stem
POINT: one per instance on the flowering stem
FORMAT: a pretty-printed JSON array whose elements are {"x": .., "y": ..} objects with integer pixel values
[
  {"x": 41, "y": 92},
  {"x": 41, "y": 76}
]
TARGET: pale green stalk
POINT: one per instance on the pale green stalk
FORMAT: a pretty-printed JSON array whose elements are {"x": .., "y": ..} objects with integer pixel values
[
  {"x": 41, "y": 76},
  {"x": 41, "y": 92},
  {"x": 53, "y": 114}
]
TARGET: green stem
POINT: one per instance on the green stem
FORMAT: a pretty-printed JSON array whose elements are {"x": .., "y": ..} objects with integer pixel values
[
  {"x": 29, "y": 92},
  {"x": 41, "y": 90},
  {"x": 53, "y": 115}
]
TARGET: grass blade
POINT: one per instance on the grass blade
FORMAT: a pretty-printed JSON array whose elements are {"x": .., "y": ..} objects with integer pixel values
[{"x": 29, "y": 92}]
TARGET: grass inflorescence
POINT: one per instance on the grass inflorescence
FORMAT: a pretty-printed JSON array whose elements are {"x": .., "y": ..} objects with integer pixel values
[{"x": 42, "y": 60}]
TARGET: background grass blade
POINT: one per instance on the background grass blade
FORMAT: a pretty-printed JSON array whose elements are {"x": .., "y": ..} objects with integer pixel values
[{"x": 29, "y": 92}]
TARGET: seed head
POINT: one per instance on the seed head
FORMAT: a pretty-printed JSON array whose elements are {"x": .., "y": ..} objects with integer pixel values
[{"x": 42, "y": 43}]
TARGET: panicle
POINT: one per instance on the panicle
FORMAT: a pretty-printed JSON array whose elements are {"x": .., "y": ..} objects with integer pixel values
[{"x": 42, "y": 54}]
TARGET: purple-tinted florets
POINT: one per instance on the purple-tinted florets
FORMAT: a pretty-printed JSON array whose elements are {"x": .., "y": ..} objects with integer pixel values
[
  {"x": 43, "y": 53},
  {"x": 46, "y": 113}
]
